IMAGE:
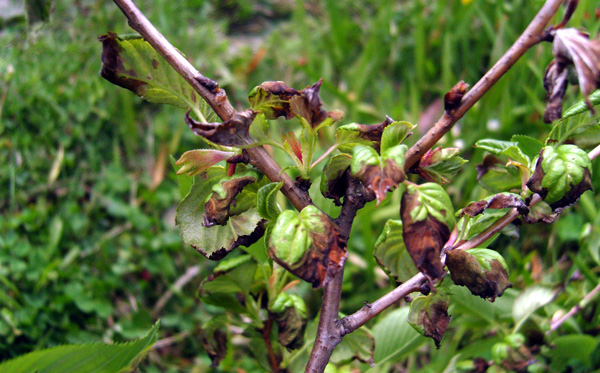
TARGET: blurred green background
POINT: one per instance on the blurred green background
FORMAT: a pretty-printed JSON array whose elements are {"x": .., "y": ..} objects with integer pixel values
[{"x": 88, "y": 246}]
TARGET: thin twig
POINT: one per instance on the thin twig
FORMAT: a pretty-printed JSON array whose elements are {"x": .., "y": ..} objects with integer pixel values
[
  {"x": 180, "y": 283},
  {"x": 595, "y": 152},
  {"x": 532, "y": 35},
  {"x": 578, "y": 307},
  {"x": 213, "y": 95},
  {"x": 161, "y": 343}
]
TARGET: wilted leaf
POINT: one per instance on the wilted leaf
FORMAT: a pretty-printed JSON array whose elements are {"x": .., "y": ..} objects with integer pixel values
[
  {"x": 571, "y": 47},
  {"x": 217, "y": 241},
  {"x": 391, "y": 254},
  {"x": 427, "y": 218},
  {"x": 382, "y": 173},
  {"x": 333, "y": 184},
  {"x": 439, "y": 165},
  {"x": 308, "y": 245},
  {"x": 233, "y": 132},
  {"x": 273, "y": 99},
  {"x": 308, "y": 105},
  {"x": 498, "y": 201},
  {"x": 482, "y": 271},
  {"x": 194, "y": 162},
  {"x": 266, "y": 201},
  {"x": 429, "y": 315},
  {"x": 132, "y": 63},
  {"x": 561, "y": 175},
  {"x": 291, "y": 317},
  {"x": 223, "y": 198}
]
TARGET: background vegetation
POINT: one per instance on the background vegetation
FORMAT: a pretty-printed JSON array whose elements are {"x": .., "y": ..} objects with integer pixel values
[{"x": 87, "y": 193}]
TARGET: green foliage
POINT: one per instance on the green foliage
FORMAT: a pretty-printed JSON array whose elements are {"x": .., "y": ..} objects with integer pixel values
[
  {"x": 97, "y": 357},
  {"x": 391, "y": 254}
]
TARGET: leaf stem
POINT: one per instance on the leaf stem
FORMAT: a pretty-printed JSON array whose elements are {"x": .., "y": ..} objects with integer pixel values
[
  {"x": 578, "y": 307},
  {"x": 324, "y": 155}
]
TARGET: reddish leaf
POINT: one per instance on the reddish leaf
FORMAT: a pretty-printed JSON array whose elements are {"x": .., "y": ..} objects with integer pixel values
[{"x": 233, "y": 132}]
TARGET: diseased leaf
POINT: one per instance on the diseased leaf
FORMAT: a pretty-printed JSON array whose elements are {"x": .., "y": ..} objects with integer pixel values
[
  {"x": 351, "y": 135},
  {"x": 132, "y": 63},
  {"x": 266, "y": 201},
  {"x": 214, "y": 339},
  {"x": 429, "y": 315},
  {"x": 561, "y": 175},
  {"x": 391, "y": 254},
  {"x": 439, "y": 165},
  {"x": 308, "y": 105},
  {"x": 217, "y": 241},
  {"x": 291, "y": 318},
  {"x": 359, "y": 345},
  {"x": 498, "y": 201},
  {"x": 379, "y": 173},
  {"x": 571, "y": 47},
  {"x": 233, "y": 132},
  {"x": 218, "y": 208},
  {"x": 308, "y": 245},
  {"x": 273, "y": 99},
  {"x": 96, "y": 357},
  {"x": 482, "y": 271},
  {"x": 333, "y": 184},
  {"x": 428, "y": 218}
]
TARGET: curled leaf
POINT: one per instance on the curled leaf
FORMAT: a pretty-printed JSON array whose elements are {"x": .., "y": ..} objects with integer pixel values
[
  {"x": 217, "y": 208},
  {"x": 498, "y": 201},
  {"x": 233, "y": 132},
  {"x": 571, "y": 47},
  {"x": 308, "y": 105},
  {"x": 273, "y": 99},
  {"x": 351, "y": 135},
  {"x": 427, "y": 219},
  {"x": 291, "y": 316},
  {"x": 561, "y": 175},
  {"x": 194, "y": 162},
  {"x": 482, "y": 271},
  {"x": 333, "y": 183},
  {"x": 308, "y": 245},
  {"x": 428, "y": 315}
]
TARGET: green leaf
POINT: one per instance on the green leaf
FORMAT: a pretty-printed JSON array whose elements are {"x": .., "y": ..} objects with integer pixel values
[
  {"x": 494, "y": 176},
  {"x": 132, "y": 63},
  {"x": 285, "y": 300},
  {"x": 570, "y": 348},
  {"x": 433, "y": 200},
  {"x": 563, "y": 169},
  {"x": 266, "y": 201},
  {"x": 494, "y": 146},
  {"x": 196, "y": 161},
  {"x": 227, "y": 265},
  {"x": 349, "y": 137},
  {"x": 581, "y": 106},
  {"x": 564, "y": 129},
  {"x": 391, "y": 254},
  {"x": 291, "y": 235},
  {"x": 184, "y": 182},
  {"x": 216, "y": 241},
  {"x": 439, "y": 165},
  {"x": 359, "y": 345},
  {"x": 529, "y": 146},
  {"x": 95, "y": 357},
  {"x": 259, "y": 129},
  {"x": 394, "y": 337},
  {"x": 529, "y": 301},
  {"x": 363, "y": 156},
  {"x": 395, "y": 133}
]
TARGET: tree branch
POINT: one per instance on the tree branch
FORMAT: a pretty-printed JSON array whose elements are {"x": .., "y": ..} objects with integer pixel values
[
  {"x": 216, "y": 97},
  {"x": 532, "y": 35},
  {"x": 578, "y": 307}
]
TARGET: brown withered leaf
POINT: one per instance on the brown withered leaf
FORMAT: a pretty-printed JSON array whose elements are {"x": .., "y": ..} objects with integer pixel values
[
  {"x": 273, "y": 99},
  {"x": 498, "y": 201},
  {"x": 571, "y": 47},
  {"x": 217, "y": 207},
  {"x": 308, "y": 105},
  {"x": 429, "y": 316},
  {"x": 382, "y": 181},
  {"x": 233, "y": 132},
  {"x": 466, "y": 270},
  {"x": 453, "y": 98},
  {"x": 424, "y": 239}
]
